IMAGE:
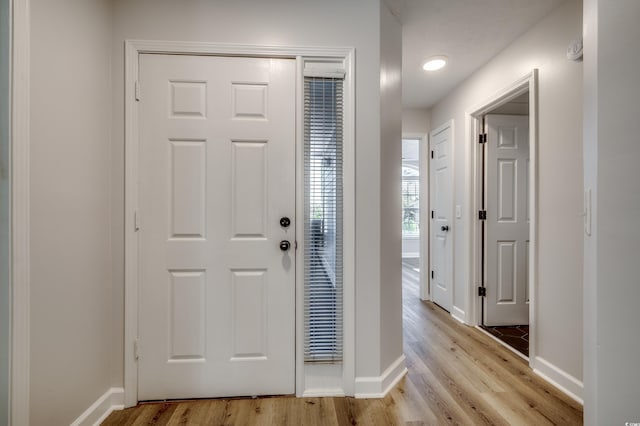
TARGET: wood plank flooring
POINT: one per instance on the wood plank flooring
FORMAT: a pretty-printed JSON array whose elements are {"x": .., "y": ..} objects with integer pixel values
[{"x": 457, "y": 375}]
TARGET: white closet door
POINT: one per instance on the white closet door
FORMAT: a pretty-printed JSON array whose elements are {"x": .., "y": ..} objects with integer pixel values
[
  {"x": 441, "y": 192},
  {"x": 507, "y": 225}
]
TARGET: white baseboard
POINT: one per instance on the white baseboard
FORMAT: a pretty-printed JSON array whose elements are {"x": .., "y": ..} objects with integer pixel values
[
  {"x": 458, "y": 314},
  {"x": 568, "y": 384},
  {"x": 378, "y": 387},
  {"x": 112, "y": 400}
]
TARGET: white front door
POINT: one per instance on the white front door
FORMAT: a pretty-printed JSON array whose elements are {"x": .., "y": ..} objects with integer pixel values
[
  {"x": 441, "y": 193},
  {"x": 507, "y": 224},
  {"x": 217, "y": 172}
]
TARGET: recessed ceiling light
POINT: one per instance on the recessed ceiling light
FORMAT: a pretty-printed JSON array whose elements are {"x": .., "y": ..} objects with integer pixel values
[{"x": 435, "y": 63}]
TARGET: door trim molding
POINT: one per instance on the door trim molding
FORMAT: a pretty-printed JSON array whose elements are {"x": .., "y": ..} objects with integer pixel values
[
  {"x": 20, "y": 208},
  {"x": 134, "y": 48},
  {"x": 528, "y": 82}
]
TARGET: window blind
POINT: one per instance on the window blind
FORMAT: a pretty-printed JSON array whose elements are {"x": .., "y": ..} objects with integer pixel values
[{"x": 323, "y": 233}]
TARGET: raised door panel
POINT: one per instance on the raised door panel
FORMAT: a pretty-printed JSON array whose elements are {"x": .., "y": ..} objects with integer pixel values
[
  {"x": 187, "y": 314},
  {"x": 442, "y": 193},
  {"x": 188, "y": 99},
  {"x": 507, "y": 197},
  {"x": 249, "y": 315},
  {"x": 249, "y": 101},
  {"x": 506, "y": 271},
  {"x": 249, "y": 189},
  {"x": 188, "y": 188},
  {"x": 439, "y": 262}
]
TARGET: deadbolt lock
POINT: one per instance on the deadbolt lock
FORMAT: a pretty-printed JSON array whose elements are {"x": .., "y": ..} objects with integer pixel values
[{"x": 285, "y": 222}]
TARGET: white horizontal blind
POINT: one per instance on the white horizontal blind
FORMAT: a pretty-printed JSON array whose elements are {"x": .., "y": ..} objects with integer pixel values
[{"x": 323, "y": 234}]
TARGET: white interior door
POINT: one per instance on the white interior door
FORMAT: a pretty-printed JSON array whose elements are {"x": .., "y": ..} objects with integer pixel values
[
  {"x": 441, "y": 198},
  {"x": 507, "y": 224},
  {"x": 217, "y": 172}
]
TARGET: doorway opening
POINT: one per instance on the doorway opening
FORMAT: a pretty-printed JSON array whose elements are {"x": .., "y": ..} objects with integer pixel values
[
  {"x": 414, "y": 190},
  {"x": 505, "y": 225},
  {"x": 411, "y": 206}
]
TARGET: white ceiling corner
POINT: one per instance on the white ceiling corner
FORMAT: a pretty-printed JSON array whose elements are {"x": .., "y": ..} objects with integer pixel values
[{"x": 468, "y": 32}]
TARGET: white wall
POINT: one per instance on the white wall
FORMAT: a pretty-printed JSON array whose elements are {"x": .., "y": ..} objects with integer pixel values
[
  {"x": 390, "y": 265},
  {"x": 611, "y": 153},
  {"x": 560, "y": 262},
  {"x": 303, "y": 23},
  {"x": 5, "y": 205},
  {"x": 416, "y": 121},
  {"x": 71, "y": 302}
]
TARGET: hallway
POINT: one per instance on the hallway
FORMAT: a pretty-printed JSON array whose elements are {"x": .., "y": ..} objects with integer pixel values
[{"x": 457, "y": 375}]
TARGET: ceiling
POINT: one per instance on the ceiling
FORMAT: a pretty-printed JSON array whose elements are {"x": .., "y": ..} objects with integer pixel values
[{"x": 468, "y": 32}]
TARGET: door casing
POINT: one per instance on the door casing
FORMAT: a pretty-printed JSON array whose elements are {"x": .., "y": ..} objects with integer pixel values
[
  {"x": 529, "y": 83},
  {"x": 311, "y": 57}
]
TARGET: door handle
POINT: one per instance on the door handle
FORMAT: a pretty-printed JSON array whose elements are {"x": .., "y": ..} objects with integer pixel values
[
  {"x": 285, "y": 245},
  {"x": 444, "y": 228}
]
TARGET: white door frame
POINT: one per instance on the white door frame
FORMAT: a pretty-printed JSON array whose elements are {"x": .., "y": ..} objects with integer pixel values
[
  {"x": 321, "y": 56},
  {"x": 528, "y": 83},
  {"x": 424, "y": 264}
]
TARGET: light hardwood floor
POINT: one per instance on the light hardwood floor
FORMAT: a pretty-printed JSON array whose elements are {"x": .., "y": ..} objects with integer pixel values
[{"x": 457, "y": 375}]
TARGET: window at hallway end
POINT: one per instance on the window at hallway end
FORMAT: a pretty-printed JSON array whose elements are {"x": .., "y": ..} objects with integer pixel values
[{"x": 410, "y": 188}]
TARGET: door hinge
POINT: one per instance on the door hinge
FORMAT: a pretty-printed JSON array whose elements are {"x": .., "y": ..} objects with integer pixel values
[
  {"x": 482, "y": 138},
  {"x": 482, "y": 215},
  {"x": 433, "y": 274},
  {"x": 137, "y": 90},
  {"x": 482, "y": 291},
  {"x": 136, "y": 221},
  {"x": 433, "y": 215},
  {"x": 431, "y": 153},
  {"x": 136, "y": 349}
]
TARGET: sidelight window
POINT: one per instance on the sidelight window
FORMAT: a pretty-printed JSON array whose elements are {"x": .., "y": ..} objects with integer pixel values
[{"x": 323, "y": 219}]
